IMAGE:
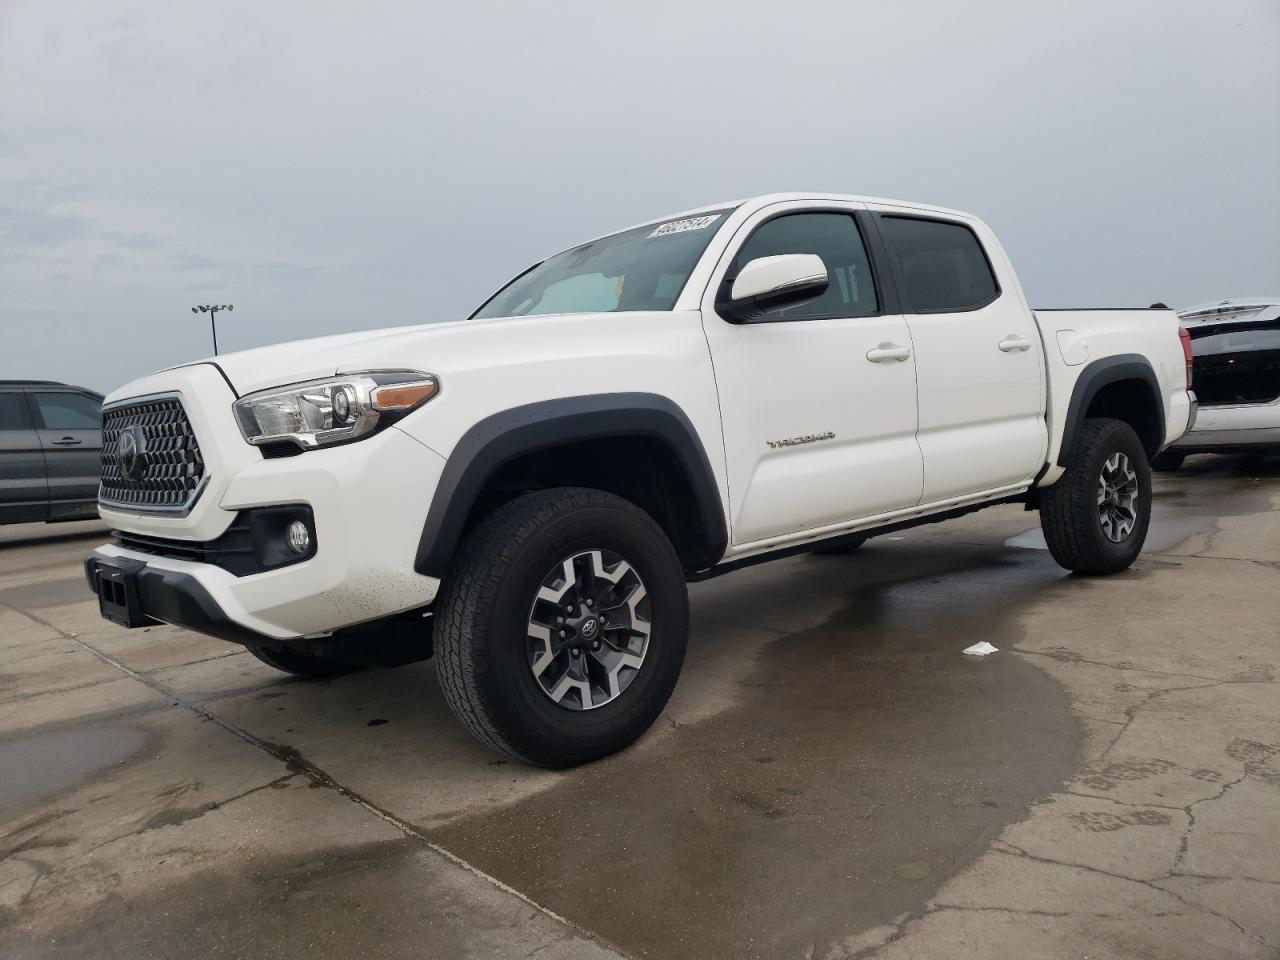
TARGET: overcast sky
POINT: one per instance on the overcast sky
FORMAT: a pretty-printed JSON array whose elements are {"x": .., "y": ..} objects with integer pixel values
[{"x": 330, "y": 167}]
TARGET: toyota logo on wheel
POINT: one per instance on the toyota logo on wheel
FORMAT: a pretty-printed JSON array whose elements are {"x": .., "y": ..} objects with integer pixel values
[{"x": 129, "y": 451}]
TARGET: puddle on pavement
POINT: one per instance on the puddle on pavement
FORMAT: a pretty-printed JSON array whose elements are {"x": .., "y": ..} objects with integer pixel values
[
  {"x": 56, "y": 760},
  {"x": 865, "y": 761}
]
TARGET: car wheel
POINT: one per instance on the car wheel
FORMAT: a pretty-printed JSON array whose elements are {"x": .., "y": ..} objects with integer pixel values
[
  {"x": 1167, "y": 462},
  {"x": 841, "y": 548},
  {"x": 561, "y": 626},
  {"x": 301, "y": 664},
  {"x": 1095, "y": 517}
]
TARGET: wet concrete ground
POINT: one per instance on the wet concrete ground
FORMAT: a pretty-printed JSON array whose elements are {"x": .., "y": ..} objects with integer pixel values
[{"x": 833, "y": 778}]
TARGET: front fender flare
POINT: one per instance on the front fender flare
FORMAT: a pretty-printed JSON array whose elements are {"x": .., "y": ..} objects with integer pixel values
[{"x": 501, "y": 437}]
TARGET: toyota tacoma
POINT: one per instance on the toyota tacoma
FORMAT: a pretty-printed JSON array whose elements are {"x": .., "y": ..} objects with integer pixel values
[{"x": 524, "y": 494}]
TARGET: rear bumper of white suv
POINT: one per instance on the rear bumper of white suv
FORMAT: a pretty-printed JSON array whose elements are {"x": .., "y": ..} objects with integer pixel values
[
  {"x": 1222, "y": 427},
  {"x": 217, "y": 569}
]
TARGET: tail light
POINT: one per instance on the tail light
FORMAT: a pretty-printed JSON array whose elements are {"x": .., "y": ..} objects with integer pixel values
[{"x": 1186, "y": 350}]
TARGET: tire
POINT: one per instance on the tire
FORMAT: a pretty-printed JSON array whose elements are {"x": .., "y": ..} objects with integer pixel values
[
  {"x": 1082, "y": 536},
  {"x": 1167, "y": 462},
  {"x": 513, "y": 682},
  {"x": 840, "y": 549},
  {"x": 301, "y": 664}
]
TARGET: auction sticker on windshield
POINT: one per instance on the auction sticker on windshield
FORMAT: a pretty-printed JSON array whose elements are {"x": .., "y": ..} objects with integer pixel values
[{"x": 683, "y": 226}]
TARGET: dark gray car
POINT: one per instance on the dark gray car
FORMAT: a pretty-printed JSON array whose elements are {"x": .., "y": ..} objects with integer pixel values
[{"x": 50, "y": 451}]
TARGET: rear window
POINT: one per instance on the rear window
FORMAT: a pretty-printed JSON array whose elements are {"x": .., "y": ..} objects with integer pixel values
[
  {"x": 942, "y": 264},
  {"x": 1245, "y": 338}
]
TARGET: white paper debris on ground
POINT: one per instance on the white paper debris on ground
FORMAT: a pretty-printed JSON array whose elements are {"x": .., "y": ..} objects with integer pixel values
[{"x": 981, "y": 649}]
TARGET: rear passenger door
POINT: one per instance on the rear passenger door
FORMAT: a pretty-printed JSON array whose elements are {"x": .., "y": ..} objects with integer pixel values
[
  {"x": 70, "y": 427},
  {"x": 979, "y": 363},
  {"x": 24, "y": 494}
]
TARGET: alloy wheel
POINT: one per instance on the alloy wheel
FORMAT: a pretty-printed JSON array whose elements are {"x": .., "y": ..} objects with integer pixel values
[
  {"x": 1118, "y": 498},
  {"x": 588, "y": 630}
]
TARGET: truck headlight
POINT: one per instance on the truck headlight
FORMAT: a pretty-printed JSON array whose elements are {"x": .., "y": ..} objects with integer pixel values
[{"x": 334, "y": 410}]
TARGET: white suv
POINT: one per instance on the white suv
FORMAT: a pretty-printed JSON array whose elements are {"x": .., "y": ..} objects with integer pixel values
[
  {"x": 1236, "y": 348},
  {"x": 526, "y": 492}
]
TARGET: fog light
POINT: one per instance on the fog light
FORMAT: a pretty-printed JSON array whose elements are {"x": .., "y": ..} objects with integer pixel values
[{"x": 298, "y": 536}]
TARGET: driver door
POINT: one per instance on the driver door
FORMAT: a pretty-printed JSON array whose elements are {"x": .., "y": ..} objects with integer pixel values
[{"x": 818, "y": 400}]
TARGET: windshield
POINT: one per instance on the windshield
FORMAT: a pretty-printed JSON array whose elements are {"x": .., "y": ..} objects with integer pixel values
[{"x": 640, "y": 269}]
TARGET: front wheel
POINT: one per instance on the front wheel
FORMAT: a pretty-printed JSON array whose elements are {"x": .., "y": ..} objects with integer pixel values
[
  {"x": 561, "y": 627},
  {"x": 1095, "y": 517}
]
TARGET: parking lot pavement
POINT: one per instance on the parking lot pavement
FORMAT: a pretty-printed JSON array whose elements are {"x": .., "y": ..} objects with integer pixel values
[{"x": 833, "y": 777}]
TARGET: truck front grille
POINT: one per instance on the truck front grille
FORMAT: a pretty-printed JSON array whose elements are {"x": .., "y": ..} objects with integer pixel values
[{"x": 150, "y": 458}]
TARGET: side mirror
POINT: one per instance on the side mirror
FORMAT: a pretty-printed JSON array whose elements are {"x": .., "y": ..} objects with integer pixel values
[{"x": 769, "y": 283}]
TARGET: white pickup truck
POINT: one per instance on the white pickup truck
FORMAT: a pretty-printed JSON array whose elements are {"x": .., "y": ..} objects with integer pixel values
[{"x": 526, "y": 492}]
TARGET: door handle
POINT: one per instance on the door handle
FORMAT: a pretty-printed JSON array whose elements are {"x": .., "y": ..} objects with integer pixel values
[
  {"x": 888, "y": 351},
  {"x": 66, "y": 442},
  {"x": 1014, "y": 342}
]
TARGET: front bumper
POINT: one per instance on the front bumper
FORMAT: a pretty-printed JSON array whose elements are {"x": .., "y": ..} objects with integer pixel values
[
  {"x": 163, "y": 596},
  {"x": 368, "y": 499}
]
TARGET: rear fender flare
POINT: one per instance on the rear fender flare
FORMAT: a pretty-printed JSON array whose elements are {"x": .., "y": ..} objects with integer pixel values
[{"x": 1095, "y": 376}]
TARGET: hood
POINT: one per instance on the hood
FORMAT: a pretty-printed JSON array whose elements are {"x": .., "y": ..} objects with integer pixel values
[
  {"x": 297, "y": 360},
  {"x": 436, "y": 348}
]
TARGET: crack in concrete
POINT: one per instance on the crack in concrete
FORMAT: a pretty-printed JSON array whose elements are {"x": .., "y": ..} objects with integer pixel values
[
  {"x": 1243, "y": 878},
  {"x": 1201, "y": 556},
  {"x": 1131, "y": 668},
  {"x": 1125, "y": 803},
  {"x": 1131, "y": 712},
  {"x": 1015, "y": 851},
  {"x": 1191, "y": 815},
  {"x": 946, "y": 907}
]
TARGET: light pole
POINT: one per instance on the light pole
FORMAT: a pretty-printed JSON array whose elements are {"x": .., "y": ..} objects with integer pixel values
[{"x": 212, "y": 310}]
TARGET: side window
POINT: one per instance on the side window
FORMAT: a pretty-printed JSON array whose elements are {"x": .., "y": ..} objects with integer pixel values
[
  {"x": 835, "y": 238},
  {"x": 68, "y": 411},
  {"x": 942, "y": 264},
  {"x": 11, "y": 413}
]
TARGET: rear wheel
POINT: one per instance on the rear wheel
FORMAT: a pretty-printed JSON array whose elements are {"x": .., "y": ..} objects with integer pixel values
[
  {"x": 1095, "y": 517},
  {"x": 561, "y": 627},
  {"x": 301, "y": 664},
  {"x": 1167, "y": 462}
]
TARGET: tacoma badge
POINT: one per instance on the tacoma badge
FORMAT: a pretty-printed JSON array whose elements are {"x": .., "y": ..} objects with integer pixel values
[{"x": 796, "y": 441}]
